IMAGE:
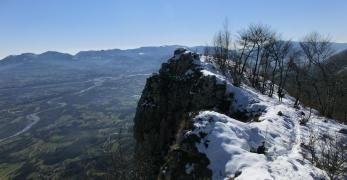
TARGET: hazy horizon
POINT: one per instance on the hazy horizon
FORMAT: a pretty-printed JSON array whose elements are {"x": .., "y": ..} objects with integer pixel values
[{"x": 70, "y": 27}]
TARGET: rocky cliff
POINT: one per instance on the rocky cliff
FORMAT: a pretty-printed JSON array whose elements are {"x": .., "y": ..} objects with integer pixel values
[
  {"x": 168, "y": 103},
  {"x": 167, "y": 99},
  {"x": 192, "y": 123}
]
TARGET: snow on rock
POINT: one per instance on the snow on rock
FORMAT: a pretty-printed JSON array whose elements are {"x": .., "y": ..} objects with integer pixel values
[
  {"x": 209, "y": 69},
  {"x": 243, "y": 100},
  {"x": 189, "y": 168},
  {"x": 231, "y": 145}
]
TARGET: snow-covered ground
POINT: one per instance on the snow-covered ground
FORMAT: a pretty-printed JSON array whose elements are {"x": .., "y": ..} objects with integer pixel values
[{"x": 230, "y": 144}]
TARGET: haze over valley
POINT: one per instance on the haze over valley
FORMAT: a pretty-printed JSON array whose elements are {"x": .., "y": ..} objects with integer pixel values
[
  {"x": 58, "y": 110},
  {"x": 173, "y": 90}
]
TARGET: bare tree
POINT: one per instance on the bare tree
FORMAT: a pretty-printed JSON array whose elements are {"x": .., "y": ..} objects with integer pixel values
[
  {"x": 222, "y": 41},
  {"x": 244, "y": 52},
  {"x": 265, "y": 63},
  {"x": 279, "y": 54},
  {"x": 252, "y": 44},
  {"x": 333, "y": 156},
  {"x": 260, "y": 35},
  {"x": 326, "y": 152},
  {"x": 207, "y": 51},
  {"x": 317, "y": 50},
  {"x": 299, "y": 70}
]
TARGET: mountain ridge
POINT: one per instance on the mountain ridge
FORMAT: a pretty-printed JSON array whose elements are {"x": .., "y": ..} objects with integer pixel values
[
  {"x": 192, "y": 123},
  {"x": 338, "y": 47},
  {"x": 83, "y": 53}
]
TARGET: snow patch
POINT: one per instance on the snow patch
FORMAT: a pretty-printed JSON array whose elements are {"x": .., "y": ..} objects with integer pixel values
[
  {"x": 189, "y": 168},
  {"x": 230, "y": 144}
]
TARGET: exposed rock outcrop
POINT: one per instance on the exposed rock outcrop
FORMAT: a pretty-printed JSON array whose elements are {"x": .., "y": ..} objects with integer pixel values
[
  {"x": 192, "y": 123},
  {"x": 165, "y": 107}
]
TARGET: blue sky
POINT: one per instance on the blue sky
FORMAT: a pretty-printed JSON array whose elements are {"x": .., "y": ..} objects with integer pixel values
[{"x": 74, "y": 25}]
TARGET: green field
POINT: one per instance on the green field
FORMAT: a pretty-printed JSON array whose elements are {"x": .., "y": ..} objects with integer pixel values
[{"x": 76, "y": 118}]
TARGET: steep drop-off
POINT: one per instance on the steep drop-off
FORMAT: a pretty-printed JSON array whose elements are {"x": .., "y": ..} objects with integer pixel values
[
  {"x": 167, "y": 99},
  {"x": 170, "y": 99}
]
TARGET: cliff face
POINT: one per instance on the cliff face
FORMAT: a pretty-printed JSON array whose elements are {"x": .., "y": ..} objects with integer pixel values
[{"x": 168, "y": 100}]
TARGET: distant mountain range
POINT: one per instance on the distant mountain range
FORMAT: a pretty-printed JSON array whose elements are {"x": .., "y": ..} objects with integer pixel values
[
  {"x": 338, "y": 47},
  {"x": 94, "y": 54},
  {"x": 139, "y": 59},
  {"x": 53, "y": 66},
  {"x": 143, "y": 59},
  {"x": 339, "y": 61},
  {"x": 136, "y": 53}
]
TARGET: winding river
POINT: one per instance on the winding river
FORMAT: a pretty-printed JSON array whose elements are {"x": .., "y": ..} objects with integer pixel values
[{"x": 34, "y": 118}]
